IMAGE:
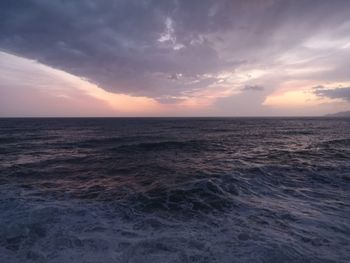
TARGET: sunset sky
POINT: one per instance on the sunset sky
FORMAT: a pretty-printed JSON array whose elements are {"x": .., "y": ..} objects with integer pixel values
[{"x": 174, "y": 58}]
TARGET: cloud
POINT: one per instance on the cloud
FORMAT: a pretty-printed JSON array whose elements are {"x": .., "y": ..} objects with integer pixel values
[
  {"x": 28, "y": 88},
  {"x": 334, "y": 93},
  {"x": 179, "y": 50},
  {"x": 253, "y": 88}
]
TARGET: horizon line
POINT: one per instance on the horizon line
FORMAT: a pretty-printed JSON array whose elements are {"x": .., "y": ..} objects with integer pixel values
[{"x": 159, "y": 117}]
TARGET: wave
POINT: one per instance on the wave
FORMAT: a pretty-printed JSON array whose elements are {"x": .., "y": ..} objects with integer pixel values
[
  {"x": 175, "y": 190},
  {"x": 192, "y": 145}
]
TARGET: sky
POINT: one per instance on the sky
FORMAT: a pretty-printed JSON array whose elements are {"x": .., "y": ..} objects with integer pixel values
[{"x": 174, "y": 58}]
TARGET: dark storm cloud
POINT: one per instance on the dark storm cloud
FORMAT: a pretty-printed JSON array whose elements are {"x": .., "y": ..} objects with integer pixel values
[
  {"x": 158, "y": 48},
  {"x": 338, "y": 93}
]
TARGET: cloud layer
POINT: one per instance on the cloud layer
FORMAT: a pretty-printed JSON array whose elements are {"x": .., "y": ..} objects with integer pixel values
[{"x": 175, "y": 50}]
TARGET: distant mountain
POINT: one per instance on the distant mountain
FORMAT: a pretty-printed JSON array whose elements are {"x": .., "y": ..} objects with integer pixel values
[{"x": 339, "y": 114}]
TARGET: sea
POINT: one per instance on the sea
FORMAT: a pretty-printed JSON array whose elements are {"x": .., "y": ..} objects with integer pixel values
[{"x": 174, "y": 190}]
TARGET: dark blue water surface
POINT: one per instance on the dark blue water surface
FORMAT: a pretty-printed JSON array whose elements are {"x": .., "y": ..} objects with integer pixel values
[{"x": 175, "y": 190}]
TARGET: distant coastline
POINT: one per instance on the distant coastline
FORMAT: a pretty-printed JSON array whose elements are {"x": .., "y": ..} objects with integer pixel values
[{"x": 339, "y": 114}]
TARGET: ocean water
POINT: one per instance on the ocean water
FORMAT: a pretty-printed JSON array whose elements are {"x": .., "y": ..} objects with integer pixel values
[{"x": 175, "y": 190}]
